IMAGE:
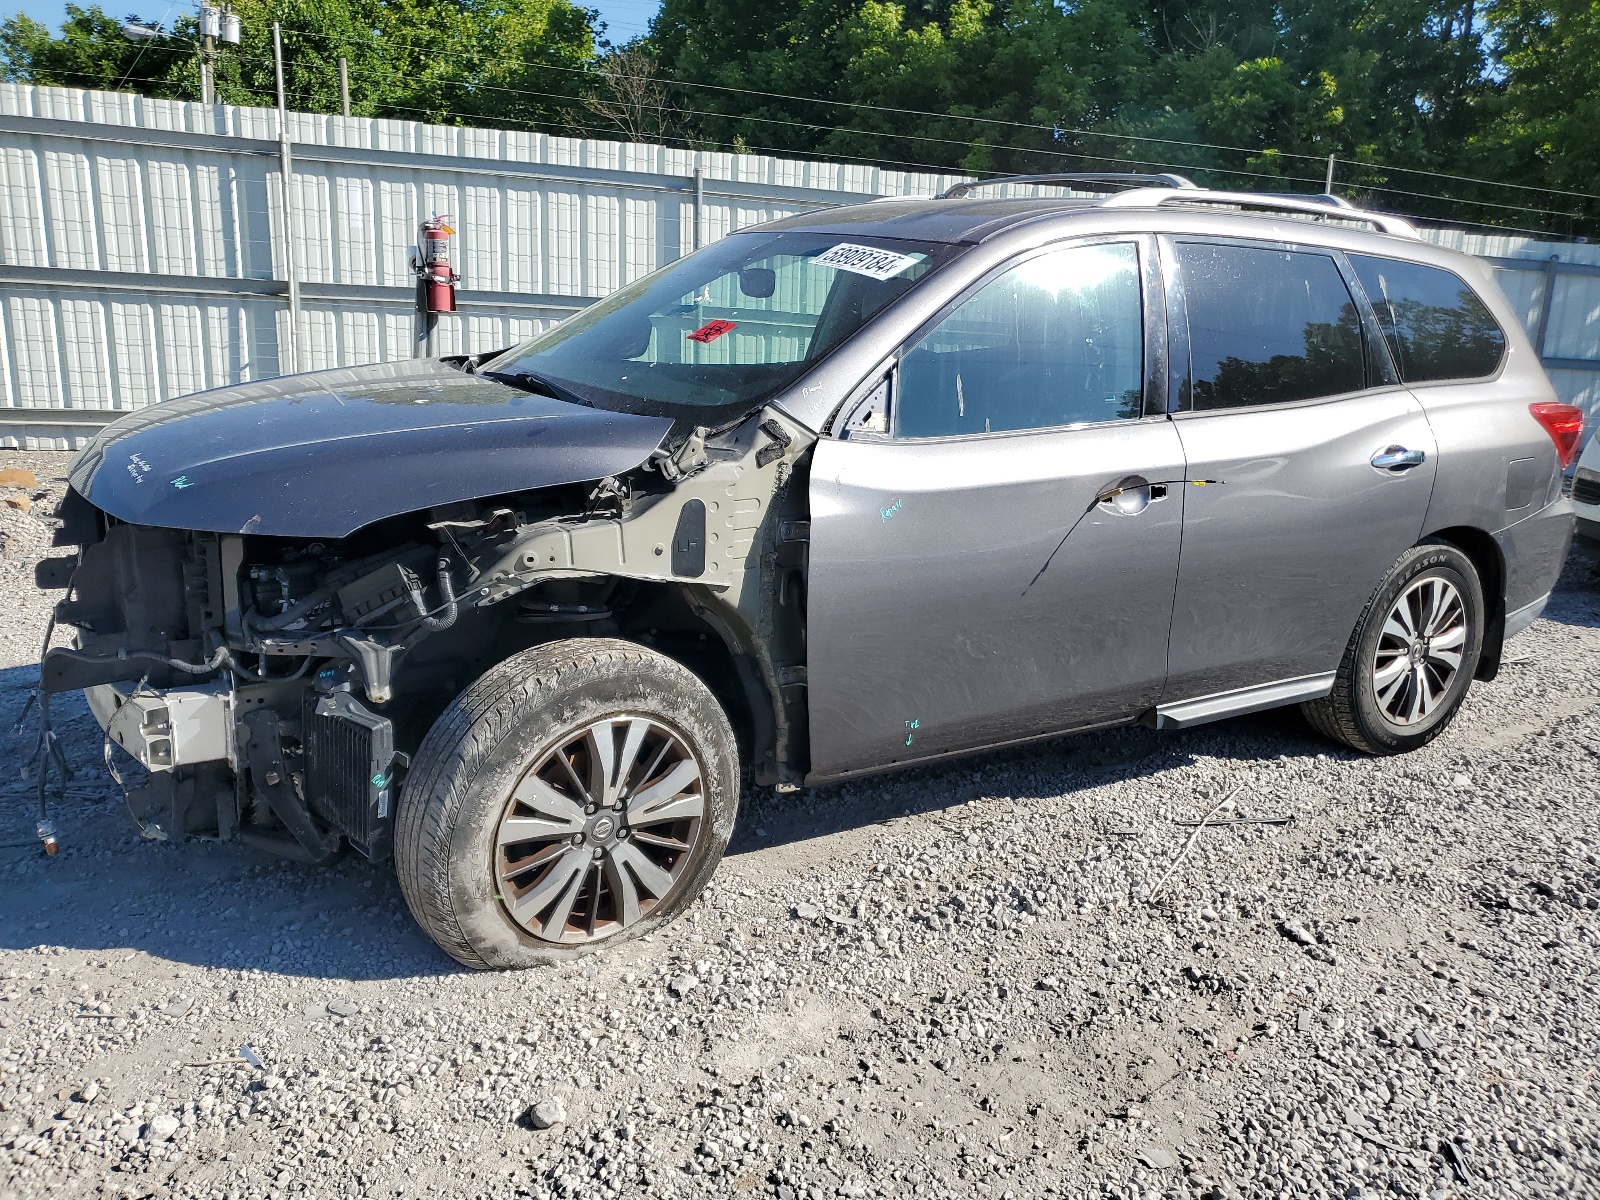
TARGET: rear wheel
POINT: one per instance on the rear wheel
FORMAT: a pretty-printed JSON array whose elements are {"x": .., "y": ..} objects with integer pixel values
[
  {"x": 1411, "y": 658},
  {"x": 578, "y": 794}
]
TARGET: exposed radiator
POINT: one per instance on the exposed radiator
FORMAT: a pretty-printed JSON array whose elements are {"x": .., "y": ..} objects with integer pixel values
[{"x": 350, "y": 761}]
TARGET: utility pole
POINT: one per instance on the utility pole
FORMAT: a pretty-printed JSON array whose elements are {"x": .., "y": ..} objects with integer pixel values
[
  {"x": 699, "y": 203},
  {"x": 286, "y": 176},
  {"x": 344, "y": 86},
  {"x": 210, "y": 30},
  {"x": 1327, "y": 188}
]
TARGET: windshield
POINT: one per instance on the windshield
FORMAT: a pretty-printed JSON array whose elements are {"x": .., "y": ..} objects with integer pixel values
[{"x": 713, "y": 334}]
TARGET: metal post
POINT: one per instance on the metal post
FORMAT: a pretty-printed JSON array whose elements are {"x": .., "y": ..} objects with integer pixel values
[
  {"x": 426, "y": 344},
  {"x": 1327, "y": 188},
  {"x": 344, "y": 86},
  {"x": 208, "y": 89},
  {"x": 699, "y": 202},
  {"x": 285, "y": 179},
  {"x": 1552, "y": 269}
]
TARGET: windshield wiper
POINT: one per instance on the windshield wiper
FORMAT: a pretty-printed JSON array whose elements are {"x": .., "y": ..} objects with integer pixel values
[{"x": 529, "y": 382}]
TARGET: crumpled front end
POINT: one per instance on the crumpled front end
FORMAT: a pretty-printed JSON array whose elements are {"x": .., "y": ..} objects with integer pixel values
[{"x": 272, "y": 689}]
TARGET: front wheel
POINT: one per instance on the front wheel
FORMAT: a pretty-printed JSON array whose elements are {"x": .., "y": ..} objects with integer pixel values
[
  {"x": 578, "y": 794},
  {"x": 1411, "y": 658}
]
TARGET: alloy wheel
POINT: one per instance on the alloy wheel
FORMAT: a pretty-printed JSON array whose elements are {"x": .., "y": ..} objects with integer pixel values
[
  {"x": 1419, "y": 650},
  {"x": 599, "y": 829}
]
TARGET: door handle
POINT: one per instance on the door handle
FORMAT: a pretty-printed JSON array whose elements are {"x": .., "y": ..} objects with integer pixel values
[
  {"x": 1395, "y": 459},
  {"x": 1132, "y": 495}
]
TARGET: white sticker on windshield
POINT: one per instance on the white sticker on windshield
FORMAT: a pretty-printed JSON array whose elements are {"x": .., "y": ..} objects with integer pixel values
[{"x": 865, "y": 260}]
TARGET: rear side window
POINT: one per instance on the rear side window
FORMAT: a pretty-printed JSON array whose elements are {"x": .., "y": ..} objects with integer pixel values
[
  {"x": 1268, "y": 326},
  {"x": 1435, "y": 325}
]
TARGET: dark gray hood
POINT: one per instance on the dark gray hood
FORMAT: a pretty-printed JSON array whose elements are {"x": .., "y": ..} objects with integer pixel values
[{"x": 322, "y": 455}]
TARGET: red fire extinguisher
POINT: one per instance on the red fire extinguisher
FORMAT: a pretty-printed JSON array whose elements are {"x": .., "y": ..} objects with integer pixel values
[{"x": 436, "y": 282}]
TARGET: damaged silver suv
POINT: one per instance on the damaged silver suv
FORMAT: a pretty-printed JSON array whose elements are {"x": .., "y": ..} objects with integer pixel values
[{"x": 852, "y": 490}]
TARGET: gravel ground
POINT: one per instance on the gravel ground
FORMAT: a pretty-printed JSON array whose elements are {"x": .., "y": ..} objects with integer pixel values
[{"x": 947, "y": 982}]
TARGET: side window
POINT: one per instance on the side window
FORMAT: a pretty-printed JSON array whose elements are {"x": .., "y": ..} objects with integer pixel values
[
  {"x": 1268, "y": 326},
  {"x": 1434, "y": 323},
  {"x": 1056, "y": 340}
]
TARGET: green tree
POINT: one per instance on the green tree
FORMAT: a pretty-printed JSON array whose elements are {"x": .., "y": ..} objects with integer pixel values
[
  {"x": 515, "y": 62},
  {"x": 448, "y": 61},
  {"x": 1542, "y": 125},
  {"x": 1241, "y": 93},
  {"x": 89, "y": 52}
]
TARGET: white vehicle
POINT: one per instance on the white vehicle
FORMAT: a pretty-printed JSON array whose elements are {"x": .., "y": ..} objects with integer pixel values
[{"x": 1586, "y": 498}]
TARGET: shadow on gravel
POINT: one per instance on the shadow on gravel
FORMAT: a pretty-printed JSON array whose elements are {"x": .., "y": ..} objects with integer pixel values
[
  {"x": 228, "y": 906},
  {"x": 1576, "y": 599},
  {"x": 205, "y": 903},
  {"x": 1045, "y": 775}
]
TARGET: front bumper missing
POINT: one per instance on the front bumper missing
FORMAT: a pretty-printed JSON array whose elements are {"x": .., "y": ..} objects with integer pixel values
[
  {"x": 341, "y": 782},
  {"x": 162, "y": 730}
]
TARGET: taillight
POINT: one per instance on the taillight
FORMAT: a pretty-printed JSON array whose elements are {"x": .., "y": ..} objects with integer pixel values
[{"x": 1564, "y": 424}]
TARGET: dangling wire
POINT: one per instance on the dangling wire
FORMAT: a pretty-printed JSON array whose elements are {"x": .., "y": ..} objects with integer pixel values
[
  {"x": 122, "y": 784},
  {"x": 47, "y": 750}
]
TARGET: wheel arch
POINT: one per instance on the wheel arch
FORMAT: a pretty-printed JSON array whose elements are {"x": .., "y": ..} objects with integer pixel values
[
  {"x": 1489, "y": 561},
  {"x": 696, "y": 628}
]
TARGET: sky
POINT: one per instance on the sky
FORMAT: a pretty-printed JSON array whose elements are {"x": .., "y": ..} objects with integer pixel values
[{"x": 625, "y": 19}]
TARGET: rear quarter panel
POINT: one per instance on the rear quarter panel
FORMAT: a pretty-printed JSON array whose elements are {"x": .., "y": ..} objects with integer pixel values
[{"x": 1486, "y": 436}]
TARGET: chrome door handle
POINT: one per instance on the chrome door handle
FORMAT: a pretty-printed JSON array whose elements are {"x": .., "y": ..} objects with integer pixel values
[
  {"x": 1398, "y": 458},
  {"x": 1132, "y": 496}
]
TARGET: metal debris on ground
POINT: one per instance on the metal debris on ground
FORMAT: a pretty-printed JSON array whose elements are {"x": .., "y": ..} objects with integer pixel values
[{"x": 1225, "y": 802}]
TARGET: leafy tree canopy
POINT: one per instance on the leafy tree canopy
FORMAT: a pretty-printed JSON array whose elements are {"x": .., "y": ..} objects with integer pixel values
[{"x": 1240, "y": 93}]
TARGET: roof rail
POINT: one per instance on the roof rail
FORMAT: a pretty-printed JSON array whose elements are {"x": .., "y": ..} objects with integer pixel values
[
  {"x": 1327, "y": 207},
  {"x": 1313, "y": 197},
  {"x": 1089, "y": 181}
]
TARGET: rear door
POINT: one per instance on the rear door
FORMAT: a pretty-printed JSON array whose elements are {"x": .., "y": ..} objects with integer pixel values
[
  {"x": 966, "y": 586},
  {"x": 1323, "y": 464}
]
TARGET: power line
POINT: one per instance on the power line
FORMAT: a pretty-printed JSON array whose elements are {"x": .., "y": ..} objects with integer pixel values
[
  {"x": 144, "y": 45},
  {"x": 610, "y": 132},
  {"x": 1543, "y": 212},
  {"x": 936, "y": 168},
  {"x": 1054, "y": 130},
  {"x": 1031, "y": 150},
  {"x": 437, "y": 114},
  {"x": 941, "y": 169}
]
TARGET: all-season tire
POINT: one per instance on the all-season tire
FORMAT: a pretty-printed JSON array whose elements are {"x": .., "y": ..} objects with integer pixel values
[
  {"x": 1361, "y": 710},
  {"x": 478, "y": 769}
]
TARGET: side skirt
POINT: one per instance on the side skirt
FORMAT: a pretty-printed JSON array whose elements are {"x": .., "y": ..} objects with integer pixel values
[{"x": 1216, "y": 707}]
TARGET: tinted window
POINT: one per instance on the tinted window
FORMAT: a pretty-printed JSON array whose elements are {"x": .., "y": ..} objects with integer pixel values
[
  {"x": 1435, "y": 325},
  {"x": 1268, "y": 326},
  {"x": 1056, "y": 340}
]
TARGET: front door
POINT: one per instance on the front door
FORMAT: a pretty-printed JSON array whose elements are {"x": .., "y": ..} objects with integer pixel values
[
  {"x": 1001, "y": 564},
  {"x": 1324, "y": 464}
]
